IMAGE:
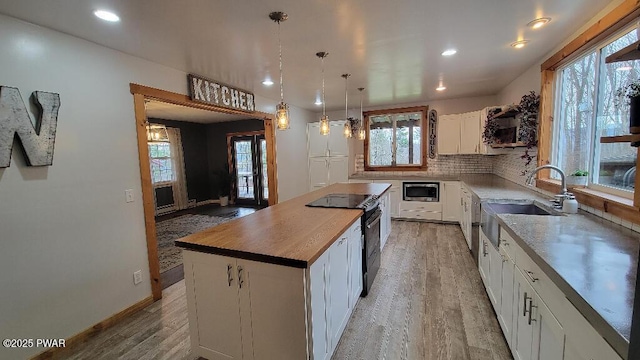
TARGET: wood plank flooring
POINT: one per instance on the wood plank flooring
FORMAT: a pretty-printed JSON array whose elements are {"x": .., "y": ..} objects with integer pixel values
[{"x": 428, "y": 302}]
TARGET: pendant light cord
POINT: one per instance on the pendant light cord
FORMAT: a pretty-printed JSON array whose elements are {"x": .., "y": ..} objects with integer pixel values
[
  {"x": 346, "y": 96},
  {"x": 323, "y": 102},
  {"x": 280, "y": 47}
]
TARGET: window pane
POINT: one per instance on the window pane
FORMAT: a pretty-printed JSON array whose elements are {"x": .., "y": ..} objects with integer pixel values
[
  {"x": 244, "y": 168},
  {"x": 614, "y": 164},
  {"x": 408, "y": 150},
  {"x": 380, "y": 140},
  {"x": 575, "y": 113}
]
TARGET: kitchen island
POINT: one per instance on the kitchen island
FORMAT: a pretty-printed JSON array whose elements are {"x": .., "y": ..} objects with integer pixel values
[{"x": 278, "y": 284}]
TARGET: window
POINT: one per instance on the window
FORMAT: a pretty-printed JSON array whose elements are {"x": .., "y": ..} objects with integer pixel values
[
  {"x": 586, "y": 110},
  {"x": 162, "y": 169},
  {"x": 396, "y": 139}
]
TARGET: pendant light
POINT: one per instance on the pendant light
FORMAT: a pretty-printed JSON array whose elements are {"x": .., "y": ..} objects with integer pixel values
[
  {"x": 362, "y": 132},
  {"x": 282, "y": 109},
  {"x": 347, "y": 125},
  {"x": 324, "y": 120}
]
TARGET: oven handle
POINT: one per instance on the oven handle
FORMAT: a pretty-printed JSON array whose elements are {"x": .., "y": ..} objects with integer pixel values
[{"x": 375, "y": 220}]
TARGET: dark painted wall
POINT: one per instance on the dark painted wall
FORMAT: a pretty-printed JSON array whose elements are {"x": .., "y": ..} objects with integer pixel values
[
  {"x": 196, "y": 160},
  {"x": 217, "y": 138}
]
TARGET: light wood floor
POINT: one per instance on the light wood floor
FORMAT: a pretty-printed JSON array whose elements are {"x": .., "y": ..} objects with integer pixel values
[{"x": 427, "y": 302}]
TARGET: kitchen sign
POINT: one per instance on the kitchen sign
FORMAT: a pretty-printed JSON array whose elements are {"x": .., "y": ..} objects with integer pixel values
[{"x": 219, "y": 94}]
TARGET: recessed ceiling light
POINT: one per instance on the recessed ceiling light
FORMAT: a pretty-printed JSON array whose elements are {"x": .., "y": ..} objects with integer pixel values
[
  {"x": 318, "y": 102},
  {"x": 624, "y": 68},
  {"x": 538, "y": 23},
  {"x": 106, "y": 15},
  {"x": 267, "y": 82},
  {"x": 519, "y": 44},
  {"x": 441, "y": 88},
  {"x": 449, "y": 52}
]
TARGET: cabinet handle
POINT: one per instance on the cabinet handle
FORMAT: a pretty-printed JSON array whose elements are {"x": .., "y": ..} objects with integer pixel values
[
  {"x": 341, "y": 241},
  {"x": 531, "y": 306},
  {"x": 505, "y": 242},
  {"x": 460, "y": 201},
  {"x": 504, "y": 259},
  {"x": 524, "y": 310},
  {"x": 533, "y": 279},
  {"x": 240, "y": 281},
  {"x": 484, "y": 248},
  {"x": 229, "y": 274}
]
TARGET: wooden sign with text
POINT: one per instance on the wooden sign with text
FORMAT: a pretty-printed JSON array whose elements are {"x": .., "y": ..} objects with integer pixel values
[{"x": 219, "y": 94}]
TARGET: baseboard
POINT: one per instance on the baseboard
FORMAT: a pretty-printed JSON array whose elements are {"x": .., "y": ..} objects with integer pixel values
[
  {"x": 207, "y": 202},
  {"x": 70, "y": 343}
]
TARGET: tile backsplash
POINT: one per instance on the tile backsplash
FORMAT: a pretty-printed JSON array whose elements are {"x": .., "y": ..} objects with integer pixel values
[
  {"x": 442, "y": 165},
  {"x": 511, "y": 165}
]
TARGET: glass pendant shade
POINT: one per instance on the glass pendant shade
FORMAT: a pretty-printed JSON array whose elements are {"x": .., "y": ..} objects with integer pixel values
[
  {"x": 362, "y": 133},
  {"x": 324, "y": 125},
  {"x": 282, "y": 116},
  {"x": 347, "y": 130},
  {"x": 157, "y": 133}
]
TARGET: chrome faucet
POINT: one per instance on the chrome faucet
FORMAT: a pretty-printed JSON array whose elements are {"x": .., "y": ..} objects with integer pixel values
[{"x": 564, "y": 194}]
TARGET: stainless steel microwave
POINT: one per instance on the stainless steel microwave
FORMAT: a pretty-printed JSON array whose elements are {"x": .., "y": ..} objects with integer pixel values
[{"x": 421, "y": 191}]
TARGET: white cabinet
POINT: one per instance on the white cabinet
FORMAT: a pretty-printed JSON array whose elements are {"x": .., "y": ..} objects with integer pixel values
[
  {"x": 459, "y": 133},
  {"x": 483, "y": 259},
  {"x": 466, "y": 216},
  {"x": 241, "y": 309},
  {"x": 244, "y": 307},
  {"x": 328, "y": 155},
  {"x": 395, "y": 196},
  {"x": 505, "y": 315},
  {"x": 522, "y": 345},
  {"x": 495, "y": 277},
  {"x": 450, "y": 198},
  {"x": 448, "y": 134},
  {"x": 385, "y": 221}
]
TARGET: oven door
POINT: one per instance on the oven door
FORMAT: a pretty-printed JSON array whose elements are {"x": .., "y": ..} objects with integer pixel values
[{"x": 421, "y": 191}]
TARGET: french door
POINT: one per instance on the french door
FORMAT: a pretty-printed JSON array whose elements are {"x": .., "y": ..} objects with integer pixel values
[{"x": 248, "y": 157}]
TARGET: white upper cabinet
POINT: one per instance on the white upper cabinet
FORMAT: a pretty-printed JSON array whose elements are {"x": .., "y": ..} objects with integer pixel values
[
  {"x": 449, "y": 134},
  {"x": 470, "y": 135},
  {"x": 338, "y": 169},
  {"x": 334, "y": 144}
]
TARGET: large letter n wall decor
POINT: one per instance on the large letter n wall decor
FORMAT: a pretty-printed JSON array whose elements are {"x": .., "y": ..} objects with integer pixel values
[{"x": 37, "y": 141}]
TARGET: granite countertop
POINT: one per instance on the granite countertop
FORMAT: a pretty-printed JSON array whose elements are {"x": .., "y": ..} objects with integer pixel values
[
  {"x": 591, "y": 260},
  {"x": 288, "y": 233}
]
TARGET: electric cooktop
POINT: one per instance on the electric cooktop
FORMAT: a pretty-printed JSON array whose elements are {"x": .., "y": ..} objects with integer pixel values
[{"x": 344, "y": 201}]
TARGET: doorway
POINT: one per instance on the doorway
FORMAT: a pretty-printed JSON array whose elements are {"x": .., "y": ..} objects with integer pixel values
[
  {"x": 248, "y": 163},
  {"x": 142, "y": 93}
]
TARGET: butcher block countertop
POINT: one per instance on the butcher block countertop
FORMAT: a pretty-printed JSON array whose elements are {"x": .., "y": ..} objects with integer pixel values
[{"x": 288, "y": 233}]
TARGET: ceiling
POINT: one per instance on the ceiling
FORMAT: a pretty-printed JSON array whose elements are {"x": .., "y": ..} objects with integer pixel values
[
  {"x": 161, "y": 110},
  {"x": 391, "y": 48}
]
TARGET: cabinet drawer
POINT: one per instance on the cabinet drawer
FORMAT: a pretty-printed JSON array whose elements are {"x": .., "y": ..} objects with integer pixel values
[
  {"x": 583, "y": 339},
  {"x": 421, "y": 206},
  {"x": 508, "y": 244},
  {"x": 420, "y": 214},
  {"x": 549, "y": 292}
]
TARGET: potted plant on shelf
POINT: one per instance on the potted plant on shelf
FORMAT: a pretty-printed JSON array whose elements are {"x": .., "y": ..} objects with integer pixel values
[
  {"x": 630, "y": 94},
  {"x": 578, "y": 178},
  {"x": 222, "y": 182}
]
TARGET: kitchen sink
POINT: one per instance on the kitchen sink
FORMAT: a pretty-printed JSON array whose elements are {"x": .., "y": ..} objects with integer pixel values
[
  {"x": 489, "y": 223},
  {"x": 519, "y": 208}
]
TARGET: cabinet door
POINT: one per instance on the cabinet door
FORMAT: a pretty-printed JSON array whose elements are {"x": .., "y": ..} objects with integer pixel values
[
  {"x": 318, "y": 279},
  {"x": 451, "y": 201},
  {"x": 505, "y": 315},
  {"x": 548, "y": 335},
  {"x": 318, "y": 173},
  {"x": 338, "y": 144},
  {"x": 470, "y": 133},
  {"x": 449, "y": 134},
  {"x": 522, "y": 342},
  {"x": 355, "y": 264},
  {"x": 214, "y": 280},
  {"x": 495, "y": 277},
  {"x": 317, "y": 144},
  {"x": 272, "y": 311},
  {"x": 338, "y": 289},
  {"x": 483, "y": 259},
  {"x": 338, "y": 169},
  {"x": 394, "y": 201}
]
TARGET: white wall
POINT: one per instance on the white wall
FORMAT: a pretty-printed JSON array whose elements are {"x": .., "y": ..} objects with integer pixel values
[
  {"x": 70, "y": 243},
  {"x": 530, "y": 79},
  {"x": 292, "y": 158}
]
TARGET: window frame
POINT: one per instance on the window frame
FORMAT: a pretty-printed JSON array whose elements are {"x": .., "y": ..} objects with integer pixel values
[
  {"x": 558, "y": 85},
  {"x": 621, "y": 16},
  {"x": 423, "y": 137},
  {"x": 171, "y": 158}
]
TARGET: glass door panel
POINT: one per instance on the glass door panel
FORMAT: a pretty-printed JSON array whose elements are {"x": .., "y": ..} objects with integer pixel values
[
  {"x": 243, "y": 153},
  {"x": 263, "y": 169},
  {"x": 249, "y": 165}
]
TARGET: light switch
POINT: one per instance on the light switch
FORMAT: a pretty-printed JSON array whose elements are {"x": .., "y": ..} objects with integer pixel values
[{"x": 129, "y": 195}]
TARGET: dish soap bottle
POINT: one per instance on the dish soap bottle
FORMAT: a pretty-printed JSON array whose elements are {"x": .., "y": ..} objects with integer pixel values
[{"x": 570, "y": 204}]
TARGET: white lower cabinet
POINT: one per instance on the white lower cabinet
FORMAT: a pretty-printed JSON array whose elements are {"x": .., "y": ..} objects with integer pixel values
[
  {"x": 495, "y": 276},
  {"x": 450, "y": 198},
  {"x": 483, "y": 259},
  {"x": 506, "y": 312},
  {"x": 242, "y": 309},
  {"x": 466, "y": 215},
  {"x": 385, "y": 221}
]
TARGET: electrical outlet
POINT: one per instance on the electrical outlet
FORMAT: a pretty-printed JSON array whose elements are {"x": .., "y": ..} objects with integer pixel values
[
  {"x": 129, "y": 195},
  {"x": 137, "y": 277}
]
